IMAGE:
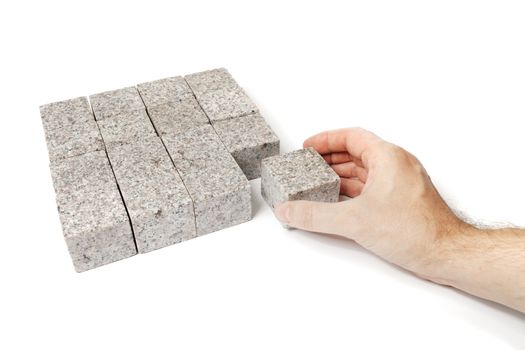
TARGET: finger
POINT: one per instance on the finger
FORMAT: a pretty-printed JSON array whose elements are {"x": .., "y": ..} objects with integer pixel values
[
  {"x": 356, "y": 141},
  {"x": 350, "y": 169},
  {"x": 337, "y": 157},
  {"x": 351, "y": 187},
  {"x": 312, "y": 216}
]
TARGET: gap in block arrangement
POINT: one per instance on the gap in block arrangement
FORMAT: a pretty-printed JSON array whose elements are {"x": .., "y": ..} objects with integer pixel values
[{"x": 147, "y": 166}]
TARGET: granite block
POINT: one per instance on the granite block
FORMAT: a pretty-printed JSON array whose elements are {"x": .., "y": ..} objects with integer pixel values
[
  {"x": 249, "y": 139},
  {"x": 226, "y": 103},
  {"x": 109, "y": 103},
  {"x": 298, "y": 175},
  {"x": 177, "y": 117},
  {"x": 158, "y": 204},
  {"x": 214, "y": 79},
  {"x": 74, "y": 140},
  {"x": 130, "y": 127},
  {"x": 94, "y": 220},
  {"x": 65, "y": 113},
  {"x": 162, "y": 91},
  {"x": 220, "y": 191}
]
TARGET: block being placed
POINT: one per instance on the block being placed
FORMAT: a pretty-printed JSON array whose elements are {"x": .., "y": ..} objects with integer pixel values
[
  {"x": 249, "y": 139},
  {"x": 74, "y": 140},
  {"x": 65, "y": 113},
  {"x": 220, "y": 191},
  {"x": 298, "y": 175},
  {"x": 114, "y": 102},
  {"x": 95, "y": 225},
  {"x": 226, "y": 103},
  {"x": 131, "y": 127},
  {"x": 214, "y": 79},
  {"x": 177, "y": 117},
  {"x": 164, "y": 91},
  {"x": 159, "y": 206}
]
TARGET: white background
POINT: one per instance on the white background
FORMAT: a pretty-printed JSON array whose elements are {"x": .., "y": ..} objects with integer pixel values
[{"x": 444, "y": 79}]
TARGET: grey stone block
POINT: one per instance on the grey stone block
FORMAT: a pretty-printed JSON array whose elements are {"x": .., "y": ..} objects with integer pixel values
[
  {"x": 162, "y": 91},
  {"x": 74, "y": 140},
  {"x": 158, "y": 204},
  {"x": 226, "y": 103},
  {"x": 298, "y": 175},
  {"x": 94, "y": 221},
  {"x": 214, "y": 79},
  {"x": 126, "y": 128},
  {"x": 220, "y": 191},
  {"x": 177, "y": 117},
  {"x": 109, "y": 103},
  {"x": 249, "y": 139},
  {"x": 65, "y": 113}
]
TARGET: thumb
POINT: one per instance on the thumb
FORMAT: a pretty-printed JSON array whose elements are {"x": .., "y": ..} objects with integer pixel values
[{"x": 313, "y": 216}]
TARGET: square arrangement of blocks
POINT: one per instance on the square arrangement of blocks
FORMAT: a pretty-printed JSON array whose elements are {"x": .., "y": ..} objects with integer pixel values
[{"x": 143, "y": 167}]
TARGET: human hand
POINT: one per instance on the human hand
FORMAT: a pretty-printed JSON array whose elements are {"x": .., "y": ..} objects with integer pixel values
[{"x": 396, "y": 212}]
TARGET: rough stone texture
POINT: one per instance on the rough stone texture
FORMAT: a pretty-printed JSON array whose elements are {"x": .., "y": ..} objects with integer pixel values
[
  {"x": 249, "y": 139},
  {"x": 177, "y": 117},
  {"x": 126, "y": 128},
  {"x": 94, "y": 221},
  {"x": 162, "y": 91},
  {"x": 158, "y": 204},
  {"x": 298, "y": 175},
  {"x": 220, "y": 191},
  {"x": 65, "y": 113},
  {"x": 214, "y": 79},
  {"x": 114, "y": 102},
  {"x": 74, "y": 140},
  {"x": 226, "y": 103}
]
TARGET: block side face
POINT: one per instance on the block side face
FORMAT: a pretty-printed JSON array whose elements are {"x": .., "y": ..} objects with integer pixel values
[
  {"x": 65, "y": 113},
  {"x": 163, "y": 91},
  {"x": 226, "y": 103},
  {"x": 177, "y": 117},
  {"x": 271, "y": 192},
  {"x": 109, "y": 103},
  {"x": 214, "y": 79},
  {"x": 130, "y": 127},
  {"x": 249, "y": 159},
  {"x": 328, "y": 192},
  {"x": 225, "y": 210},
  {"x": 75, "y": 140}
]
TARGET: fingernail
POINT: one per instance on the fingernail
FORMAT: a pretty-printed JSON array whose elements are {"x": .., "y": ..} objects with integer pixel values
[{"x": 281, "y": 212}]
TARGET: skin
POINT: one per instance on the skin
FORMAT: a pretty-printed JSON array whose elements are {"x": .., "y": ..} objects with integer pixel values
[{"x": 397, "y": 213}]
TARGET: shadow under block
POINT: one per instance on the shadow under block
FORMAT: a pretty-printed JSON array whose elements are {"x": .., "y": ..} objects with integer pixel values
[
  {"x": 178, "y": 116},
  {"x": 130, "y": 127},
  {"x": 163, "y": 91},
  {"x": 110, "y": 103},
  {"x": 298, "y": 175},
  {"x": 159, "y": 206},
  {"x": 219, "y": 189},
  {"x": 249, "y": 139},
  {"x": 65, "y": 113},
  {"x": 95, "y": 225}
]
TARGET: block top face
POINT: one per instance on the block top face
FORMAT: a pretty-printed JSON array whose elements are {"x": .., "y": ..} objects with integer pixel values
[
  {"x": 299, "y": 170},
  {"x": 177, "y": 117},
  {"x": 214, "y": 79},
  {"x": 65, "y": 113},
  {"x": 75, "y": 140},
  {"x": 244, "y": 132},
  {"x": 126, "y": 128},
  {"x": 226, "y": 103},
  {"x": 205, "y": 165},
  {"x": 114, "y": 102},
  {"x": 162, "y": 91}
]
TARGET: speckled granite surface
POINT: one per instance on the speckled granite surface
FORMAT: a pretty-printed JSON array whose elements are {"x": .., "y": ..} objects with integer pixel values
[
  {"x": 110, "y": 103},
  {"x": 158, "y": 204},
  {"x": 65, "y": 113},
  {"x": 226, "y": 103},
  {"x": 177, "y": 117},
  {"x": 163, "y": 91},
  {"x": 301, "y": 174},
  {"x": 249, "y": 139},
  {"x": 125, "y": 128},
  {"x": 213, "y": 79},
  {"x": 94, "y": 220},
  {"x": 220, "y": 191}
]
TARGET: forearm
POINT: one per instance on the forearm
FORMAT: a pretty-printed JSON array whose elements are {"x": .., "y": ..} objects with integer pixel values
[{"x": 489, "y": 263}]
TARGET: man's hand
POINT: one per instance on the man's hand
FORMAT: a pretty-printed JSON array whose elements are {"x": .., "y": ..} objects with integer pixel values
[{"x": 397, "y": 213}]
